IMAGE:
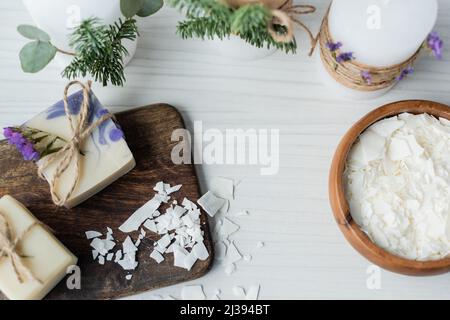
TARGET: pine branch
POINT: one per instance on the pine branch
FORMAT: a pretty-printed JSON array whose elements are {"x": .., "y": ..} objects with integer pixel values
[
  {"x": 99, "y": 50},
  {"x": 212, "y": 19}
]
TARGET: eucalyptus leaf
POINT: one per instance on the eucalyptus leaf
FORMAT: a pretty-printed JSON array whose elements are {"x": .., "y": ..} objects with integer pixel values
[
  {"x": 33, "y": 33},
  {"x": 150, "y": 7},
  {"x": 36, "y": 55},
  {"x": 130, "y": 8}
]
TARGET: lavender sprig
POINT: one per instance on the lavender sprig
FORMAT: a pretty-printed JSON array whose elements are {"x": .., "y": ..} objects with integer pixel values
[
  {"x": 367, "y": 77},
  {"x": 33, "y": 144},
  {"x": 405, "y": 72},
  {"x": 435, "y": 44},
  {"x": 25, "y": 146}
]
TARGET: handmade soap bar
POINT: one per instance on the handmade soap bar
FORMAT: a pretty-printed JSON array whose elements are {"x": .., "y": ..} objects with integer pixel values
[
  {"x": 105, "y": 155},
  {"x": 41, "y": 253}
]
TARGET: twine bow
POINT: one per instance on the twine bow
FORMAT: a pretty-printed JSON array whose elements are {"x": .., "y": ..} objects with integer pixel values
[
  {"x": 71, "y": 150},
  {"x": 8, "y": 249},
  {"x": 286, "y": 15}
]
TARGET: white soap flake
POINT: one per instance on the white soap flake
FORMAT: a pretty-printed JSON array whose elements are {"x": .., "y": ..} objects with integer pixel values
[
  {"x": 173, "y": 189},
  {"x": 137, "y": 218},
  {"x": 94, "y": 254},
  {"x": 158, "y": 257},
  {"x": 239, "y": 292},
  {"x": 128, "y": 277},
  {"x": 190, "y": 260},
  {"x": 211, "y": 203},
  {"x": 192, "y": 293},
  {"x": 164, "y": 241},
  {"x": 260, "y": 244},
  {"x": 102, "y": 246},
  {"x": 233, "y": 254},
  {"x": 247, "y": 257},
  {"x": 128, "y": 246},
  {"x": 200, "y": 251},
  {"x": 228, "y": 228},
  {"x": 101, "y": 260},
  {"x": 229, "y": 269},
  {"x": 118, "y": 256},
  {"x": 92, "y": 234},
  {"x": 253, "y": 293},
  {"x": 110, "y": 256},
  {"x": 223, "y": 187}
]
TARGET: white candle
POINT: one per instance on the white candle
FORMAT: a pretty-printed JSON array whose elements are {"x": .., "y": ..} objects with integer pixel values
[{"x": 382, "y": 33}]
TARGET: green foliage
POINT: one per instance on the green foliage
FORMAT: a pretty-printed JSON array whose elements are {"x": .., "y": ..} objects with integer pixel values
[
  {"x": 130, "y": 8},
  {"x": 99, "y": 50},
  {"x": 211, "y": 19},
  {"x": 150, "y": 7},
  {"x": 33, "y": 33},
  {"x": 142, "y": 8},
  {"x": 36, "y": 55}
]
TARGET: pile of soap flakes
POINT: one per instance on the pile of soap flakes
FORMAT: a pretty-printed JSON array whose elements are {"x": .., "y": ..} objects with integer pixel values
[
  {"x": 180, "y": 234},
  {"x": 179, "y": 229},
  {"x": 398, "y": 185}
]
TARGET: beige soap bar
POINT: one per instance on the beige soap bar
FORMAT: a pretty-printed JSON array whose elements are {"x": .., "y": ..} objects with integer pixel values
[
  {"x": 44, "y": 255},
  {"x": 106, "y": 156}
]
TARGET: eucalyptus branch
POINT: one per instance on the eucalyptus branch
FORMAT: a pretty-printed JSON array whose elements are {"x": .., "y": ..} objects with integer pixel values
[{"x": 98, "y": 49}]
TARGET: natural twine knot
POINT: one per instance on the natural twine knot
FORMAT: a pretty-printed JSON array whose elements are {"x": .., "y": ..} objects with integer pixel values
[
  {"x": 287, "y": 15},
  {"x": 70, "y": 152},
  {"x": 8, "y": 249}
]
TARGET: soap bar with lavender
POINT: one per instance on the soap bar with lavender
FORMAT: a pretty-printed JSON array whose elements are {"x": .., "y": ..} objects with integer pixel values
[{"x": 104, "y": 155}]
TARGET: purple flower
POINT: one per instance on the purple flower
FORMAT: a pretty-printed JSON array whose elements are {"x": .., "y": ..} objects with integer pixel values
[
  {"x": 334, "y": 46},
  {"x": 16, "y": 138},
  {"x": 28, "y": 152},
  {"x": 435, "y": 44},
  {"x": 26, "y": 147},
  {"x": 367, "y": 76},
  {"x": 405, "y": 72},
  {"x": 115, "y": 134},
  {"x": 345, "y": 56},
  {"x": 8, "y": 132}
]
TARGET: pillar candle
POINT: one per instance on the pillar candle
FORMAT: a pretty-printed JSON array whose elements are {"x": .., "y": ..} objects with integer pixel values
[{"x": 381, "y": 33}]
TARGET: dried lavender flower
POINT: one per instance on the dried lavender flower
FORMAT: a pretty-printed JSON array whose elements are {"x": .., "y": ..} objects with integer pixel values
[
  {"x": 435, "y": 44},
  {"x": 405, "y": 72},
  {"x": 367, "y": 77},
  {"x": 344, "y": 57},
  {"x": 332, "y": 46}
]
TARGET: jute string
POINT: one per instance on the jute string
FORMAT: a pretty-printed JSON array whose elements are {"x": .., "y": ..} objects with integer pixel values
[
  {"x": 71, "y": 151},
  {"x": 287, "y": 15},
  {"x": 8, "y": 249},
  {"x": 349, "y": 73}
]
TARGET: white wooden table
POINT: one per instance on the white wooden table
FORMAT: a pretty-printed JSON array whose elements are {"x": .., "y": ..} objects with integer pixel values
[{"x": 305, "y": 256}]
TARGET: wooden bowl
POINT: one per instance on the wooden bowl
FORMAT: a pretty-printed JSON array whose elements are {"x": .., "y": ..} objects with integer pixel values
[{"x": 352, "y": 232}]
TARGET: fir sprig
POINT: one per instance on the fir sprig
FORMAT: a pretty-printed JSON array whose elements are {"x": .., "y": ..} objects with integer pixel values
[
  {"x": 210, "y": 19},
  {"x": 100, "y": 50}
]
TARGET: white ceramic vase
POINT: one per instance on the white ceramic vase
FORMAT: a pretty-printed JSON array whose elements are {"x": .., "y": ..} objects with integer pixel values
[
  {"x": 236, "y": 48},
  {"x": 59, "y": 17}
]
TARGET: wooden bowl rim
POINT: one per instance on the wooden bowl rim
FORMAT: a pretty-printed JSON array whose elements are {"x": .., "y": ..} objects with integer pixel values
[{"x": 352, "y": 232}]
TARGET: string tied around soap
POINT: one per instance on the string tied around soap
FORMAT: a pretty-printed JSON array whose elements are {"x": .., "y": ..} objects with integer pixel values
[
  {"x": 71, "y": 151},
  {"x": 8, "y": 249}
]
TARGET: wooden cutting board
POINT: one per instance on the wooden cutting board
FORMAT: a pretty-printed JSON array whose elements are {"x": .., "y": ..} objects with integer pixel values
[{"x": 148, "y": 133}]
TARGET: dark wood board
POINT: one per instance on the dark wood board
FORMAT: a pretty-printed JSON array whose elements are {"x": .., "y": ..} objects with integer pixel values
[{"x": 148, "y": 133}]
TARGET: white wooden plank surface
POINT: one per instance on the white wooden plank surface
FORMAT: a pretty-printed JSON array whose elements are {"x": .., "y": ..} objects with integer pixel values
[{"x": 305, "y": 255}]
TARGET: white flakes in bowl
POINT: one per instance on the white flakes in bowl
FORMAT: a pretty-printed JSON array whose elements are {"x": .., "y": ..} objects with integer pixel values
[{"x": 397, "y": 184}]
